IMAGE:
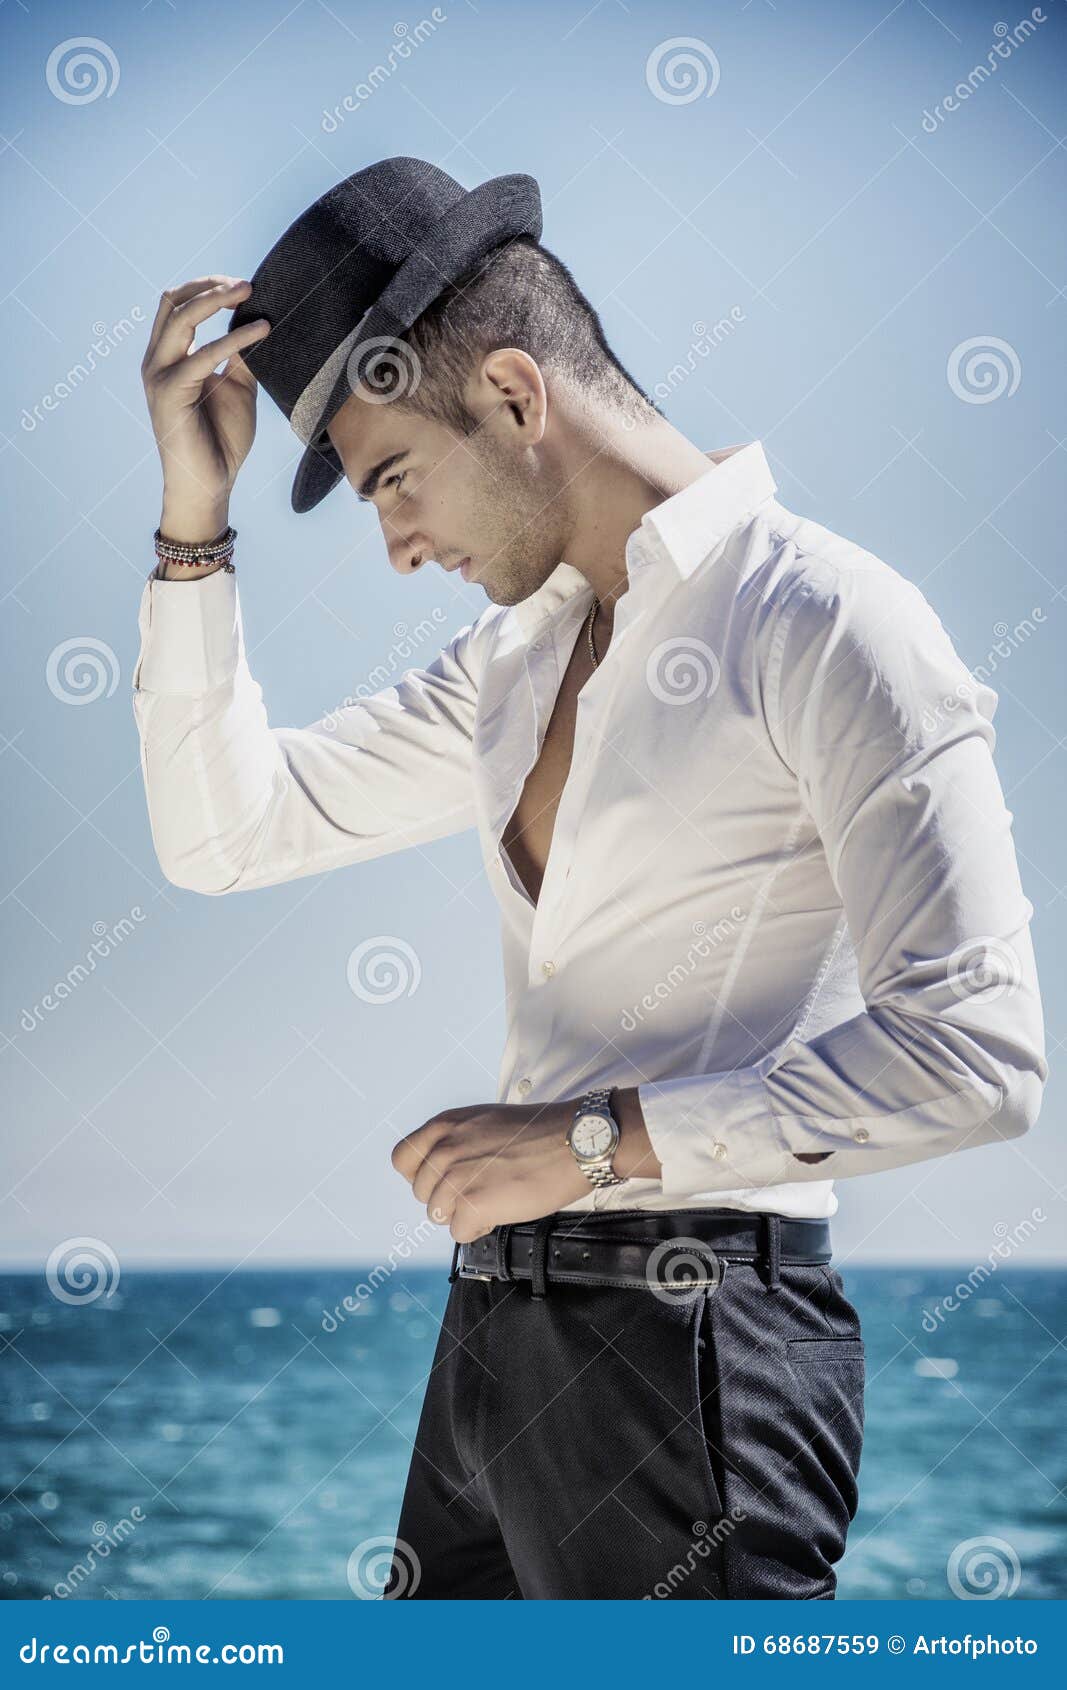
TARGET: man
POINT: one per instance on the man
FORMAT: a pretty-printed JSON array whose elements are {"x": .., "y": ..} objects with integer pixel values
[{"x": 762, "y": 920}]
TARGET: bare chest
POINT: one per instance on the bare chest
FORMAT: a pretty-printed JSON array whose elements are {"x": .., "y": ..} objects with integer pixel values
[{"x": 527, "y": 838}]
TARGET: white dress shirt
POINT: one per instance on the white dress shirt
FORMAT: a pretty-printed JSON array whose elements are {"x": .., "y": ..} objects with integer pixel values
[{"x": 782, "y": 897}]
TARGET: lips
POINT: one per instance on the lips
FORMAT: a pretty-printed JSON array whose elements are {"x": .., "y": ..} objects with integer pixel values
[{"x": 465, "y": 568}]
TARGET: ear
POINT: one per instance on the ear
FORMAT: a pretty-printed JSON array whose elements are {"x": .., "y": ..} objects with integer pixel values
[{"x": 511, "y": 380}]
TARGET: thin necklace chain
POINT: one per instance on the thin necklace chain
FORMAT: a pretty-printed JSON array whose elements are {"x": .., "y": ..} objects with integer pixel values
[{"x": 593, "y": 608}]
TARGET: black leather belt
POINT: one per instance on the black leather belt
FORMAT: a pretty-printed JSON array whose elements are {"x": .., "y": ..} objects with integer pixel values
[{"x": 641, "y": 1248}]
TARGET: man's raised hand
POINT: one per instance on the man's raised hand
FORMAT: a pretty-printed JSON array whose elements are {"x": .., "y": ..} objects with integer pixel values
[{"x": 204, "y": 418}]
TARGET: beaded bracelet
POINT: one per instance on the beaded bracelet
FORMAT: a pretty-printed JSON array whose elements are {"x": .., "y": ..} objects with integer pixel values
[
  {"x": 219, "y": 563},
  {"x": 219, "y": 550}
]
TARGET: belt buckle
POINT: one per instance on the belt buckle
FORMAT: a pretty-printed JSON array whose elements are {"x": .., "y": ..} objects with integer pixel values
[{"x": 471, "y": 1271}]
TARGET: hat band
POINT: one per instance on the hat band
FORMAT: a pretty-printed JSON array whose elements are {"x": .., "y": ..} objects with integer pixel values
[{"x": 304, "y": 419}]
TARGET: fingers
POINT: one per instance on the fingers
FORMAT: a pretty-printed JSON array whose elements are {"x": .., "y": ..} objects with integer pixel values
[
  {"x": 432, "y": 1164},
  {"x": 465, "y": 1216},
  {"x": 200, "y": 363},
  {"x": 442, "y": 1170},
  {"x": 437, "y": 1166},
  {"x": 407, "y": 1156},
  {"x": 442, "y": 1202},
  {"x": 412, "y": 1151},
  {"x": 470, "y": 1220},
  {"x": 237, "y": 370},
  {"x": 180, "y": 314},
  {"x": 437, "y": 1171},
  {"x": 177, "y": 296},
  {"x": 460, "y": 1201}
]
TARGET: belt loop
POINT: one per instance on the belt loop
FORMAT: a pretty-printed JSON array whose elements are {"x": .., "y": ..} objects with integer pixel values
[
  {"x": 773, "y": 1243},
  {"x": 453, "y": 1272},
  {"x": 503, "y": 1235},
  {"x": 540, "y": 1251}
]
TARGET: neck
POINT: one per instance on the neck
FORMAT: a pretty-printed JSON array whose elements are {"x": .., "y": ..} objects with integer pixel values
[{"x": 625, "y": 473}]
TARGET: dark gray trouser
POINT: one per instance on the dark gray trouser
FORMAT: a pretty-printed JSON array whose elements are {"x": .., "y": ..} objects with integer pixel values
[{"x": 622, "y": 1444}]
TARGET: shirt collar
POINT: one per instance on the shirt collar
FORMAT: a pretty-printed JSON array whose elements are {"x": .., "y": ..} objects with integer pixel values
[{"x": 679, "y": 533}]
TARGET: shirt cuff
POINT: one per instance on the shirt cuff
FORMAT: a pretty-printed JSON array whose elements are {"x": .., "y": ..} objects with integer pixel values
[
  {"x": 191, "y": 637},
  {"x": 715, "y": 1132}
]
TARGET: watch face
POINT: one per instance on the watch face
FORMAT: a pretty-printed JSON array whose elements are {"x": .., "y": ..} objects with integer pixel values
[{"x": 593, "y": 1135}]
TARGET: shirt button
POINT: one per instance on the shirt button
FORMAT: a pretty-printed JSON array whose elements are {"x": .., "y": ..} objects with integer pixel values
[
  {"x": 548, "y": 969},
  {"x": 524, "y": 1086},
  {"x": 718, "y": 1151},
  {"x": 861, "y": 1135}
]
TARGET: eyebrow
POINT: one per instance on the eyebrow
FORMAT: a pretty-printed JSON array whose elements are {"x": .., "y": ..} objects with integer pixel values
[{"x": 369, "y": 485}]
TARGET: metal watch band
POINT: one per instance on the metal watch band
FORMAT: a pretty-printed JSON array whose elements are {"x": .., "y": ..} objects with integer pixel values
[
  {"x": 601, "y": 1177},
  {"x": 597, "y": 1101}
]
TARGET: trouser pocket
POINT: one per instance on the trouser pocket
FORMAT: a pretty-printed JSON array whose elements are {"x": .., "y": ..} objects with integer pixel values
[{"x": 780, "y": 1377}]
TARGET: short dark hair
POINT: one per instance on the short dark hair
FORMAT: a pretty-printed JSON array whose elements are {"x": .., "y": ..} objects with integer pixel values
[{"x": 519, "y": 295}]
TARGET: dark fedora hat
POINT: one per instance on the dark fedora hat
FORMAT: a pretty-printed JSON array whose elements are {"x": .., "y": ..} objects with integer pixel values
[{"x": 352, "y": 273}]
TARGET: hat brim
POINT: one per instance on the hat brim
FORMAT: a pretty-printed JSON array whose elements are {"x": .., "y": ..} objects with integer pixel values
[
  {"x": 497, "y": 212},
  {"x": 318, "y": 472}
]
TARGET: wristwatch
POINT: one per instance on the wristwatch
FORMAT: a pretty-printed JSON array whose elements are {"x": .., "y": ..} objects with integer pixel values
[{"x": 594, "y": 1137}]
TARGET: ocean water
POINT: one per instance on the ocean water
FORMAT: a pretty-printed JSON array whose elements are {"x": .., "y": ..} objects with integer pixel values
[{"x": 201, "y": 1434}]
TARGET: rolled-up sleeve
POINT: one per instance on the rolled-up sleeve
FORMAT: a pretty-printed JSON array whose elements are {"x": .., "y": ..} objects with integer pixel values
[
  {"x": 890, "y": 740},
  {"x": 235, "y": 804}
]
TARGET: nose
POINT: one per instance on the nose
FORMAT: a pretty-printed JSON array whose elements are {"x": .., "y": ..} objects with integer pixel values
[{"x": 406, "y": 552}]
